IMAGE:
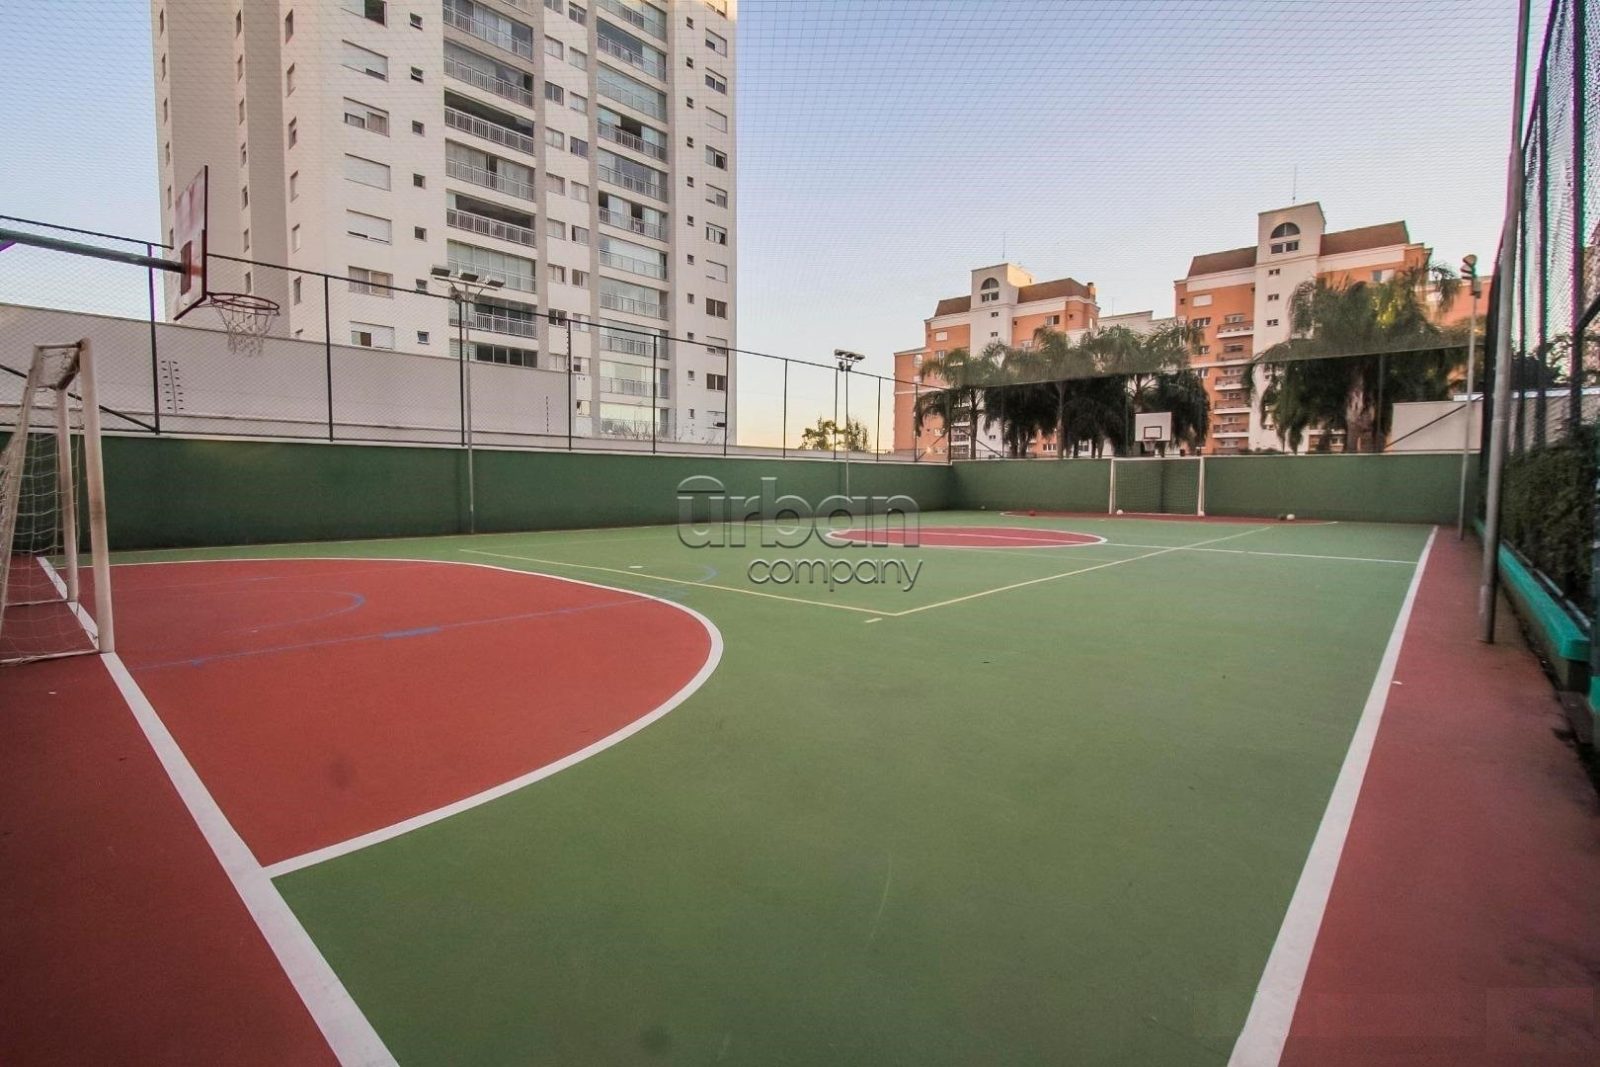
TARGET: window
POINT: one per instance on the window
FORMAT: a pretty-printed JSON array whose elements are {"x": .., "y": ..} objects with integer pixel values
[
  {"x": 238, "y": 69},
  {"x": 294, "y": 237},
  {"x": 1200, "y": 324},
  {"x": 416, "y": 22},
  {"x": 580, "y": 104},
  {"x": 578, "y": 147},
  {"x": 1203, "y": 300},
  {"x": 419, "y": 232},
  {"x": 1202, "y": 350},
  {"x": 716, "y": 82},
  {"x": 718, "y": 120},
  {"x": 514, "y": 271},
  {"x": 241, "y": 109},
  {"x": 294, "y": 186},
  {"x": 942, "y": 335},
  {"x": 1228, "y": 349},
  {"x": 295, "y": 289},
  {"x": 249, "y": 282},
  {"x": 1228, "y": 320},
  {"x": 418, "y": 128},
  {"x": 288, "y": 81},
  {"x": 717, "y": 383},
  {"x": 580, "y": 278},
  {"x": 553, "y": 49},
  {"x": 1381, "y": 276},
  {"x": 689, "y": 62},
  {"x": 1272, "y": 272},
  {"x": 247, "y": 239},
  {"x": 717, "y": 195},
  {"x": 717, "y": 272},
  {"x": 1272, "y": 322},
  {"x": 166, "y": 110},
  {"x": 416, "y": 74},
  {"x": 244, "y": 196},
  {"x": 1286, "y": 246},
  {"x": 1285, "y": 229},
  {"x": 368, "y": 227},
  {"x": 370, "y": 282},
  {"x": 578, "y": 191},
  {"x": 580, "y": 235},
  {"x": 1052, "y": 320},
  {"x": 716, "y": 158},
  {"x": 288, "y": 26},
  {"x": 422, "y": 337},
  {"x": 364, "y": 61},
  {"x": 1271, "y": 297},
  {"x": 558, "y": 274},
  {"x": 717, "y": 309},
  {"x": 366, "y": 171},
  {"x": 555, "y": 138},
  {"x": 554, "y": 183},
  {"x": 553, "y": 5},
  {"x": 244, "y": 155},
  {"x": 238, "y": 22},
  {"x": 578, "y": 59},
  {"x": 577, "y": 14},
  {"x": 717, "y": 43},
  {"x": 989, "y": 291},
  {"x": 553, "y": 93},
  {"x": 161, "y": 22},
  {"x": 370, "y": 335},
  {"x": 556, "y": 229},
  {"x": 716, "y": 234}
]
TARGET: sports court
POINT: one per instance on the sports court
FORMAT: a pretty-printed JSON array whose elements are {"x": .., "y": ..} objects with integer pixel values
[{"x": 597, "y": 796}]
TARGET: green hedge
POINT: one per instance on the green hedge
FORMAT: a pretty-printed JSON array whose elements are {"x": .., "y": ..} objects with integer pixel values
[{"x": 1547, "y": 511}]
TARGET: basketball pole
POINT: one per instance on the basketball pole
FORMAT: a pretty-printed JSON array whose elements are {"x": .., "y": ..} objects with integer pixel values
[{"x": 77, "y": 248}]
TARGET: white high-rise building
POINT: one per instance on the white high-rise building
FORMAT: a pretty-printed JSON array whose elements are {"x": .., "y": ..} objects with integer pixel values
[{"x": 580, "y": 153}]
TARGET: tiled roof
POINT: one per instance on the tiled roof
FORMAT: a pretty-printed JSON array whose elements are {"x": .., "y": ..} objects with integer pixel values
[
  {"x": 1217, "y": 262},
  {"x": 1058, "y": 289},
  {"x": 1362, "y": 237}
]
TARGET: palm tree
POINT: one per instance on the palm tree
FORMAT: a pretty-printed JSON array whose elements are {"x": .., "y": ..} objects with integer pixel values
[
  {"x": 958, "y": 397},
  {"x": 1355, "y": 349}
]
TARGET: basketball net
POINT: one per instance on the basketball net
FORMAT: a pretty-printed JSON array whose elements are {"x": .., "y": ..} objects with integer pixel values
[{"x": 246, "y": 319}]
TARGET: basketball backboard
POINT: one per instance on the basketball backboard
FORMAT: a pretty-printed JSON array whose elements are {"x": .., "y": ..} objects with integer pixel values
[
  {"x": 189, "y": 237},
  {"x": 1153, "y": 427}
]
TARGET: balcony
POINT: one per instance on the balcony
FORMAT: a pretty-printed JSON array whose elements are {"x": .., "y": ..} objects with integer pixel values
[
  {"x": 1235, "y": 329},
  {"x": 487, "y": 82},
  {"x": 1230, "y": 383},
  {"x": 629, "y": 387},
  {"x": 1231, "y": 432},
  {"x": 455, "y": 168},
  {"x": 489, "y": 131},
  {"x": 622, "y": 137},
  {"x": 651, "y": 22},
  {"x": 633, "y": 346},
  {"x": 1231, "y": 406},
  {"x": 633, "y": 307},
  {"x": 488, "y": 33},
  {"x": 633, "y": 266},
  {"x": 498, "y": 322},
  {"x": 483, "y": 224},
  {"x": 654, "y": 230},
  {"x": 637, "y": 60},
  {"x": 634, "y": 185}
]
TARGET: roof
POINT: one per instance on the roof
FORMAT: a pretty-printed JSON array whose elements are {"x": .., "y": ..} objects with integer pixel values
[
  {"x": 1058, "y": 289},
  {"x": 1379, "y": 236}
]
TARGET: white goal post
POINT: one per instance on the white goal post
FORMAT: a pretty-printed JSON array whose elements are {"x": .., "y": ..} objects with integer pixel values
[{"x": 52, "y": 491}]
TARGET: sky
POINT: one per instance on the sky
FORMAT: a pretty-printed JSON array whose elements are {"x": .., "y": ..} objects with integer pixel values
[{"x": 888, "y": 147}]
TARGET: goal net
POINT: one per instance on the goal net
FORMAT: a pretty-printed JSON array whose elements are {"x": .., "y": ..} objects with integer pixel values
[
  {"x": 1165, "y": 486},
  {"x": 51, "y": 503}
]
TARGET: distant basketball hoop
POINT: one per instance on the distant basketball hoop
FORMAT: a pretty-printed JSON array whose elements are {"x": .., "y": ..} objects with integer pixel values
[{"x": 246, "y": 318}]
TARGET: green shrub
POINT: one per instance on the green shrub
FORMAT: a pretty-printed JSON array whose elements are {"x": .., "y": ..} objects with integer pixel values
[{"x": 1548, "y": 503}]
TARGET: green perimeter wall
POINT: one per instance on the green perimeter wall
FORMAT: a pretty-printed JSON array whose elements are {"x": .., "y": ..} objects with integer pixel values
[{"x": 169, "y": 491}]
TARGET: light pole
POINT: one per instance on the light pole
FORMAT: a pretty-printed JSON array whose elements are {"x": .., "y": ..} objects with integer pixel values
[
  {"x": 1469, "y": 269},
  {"x": 464, "y": 286},
  {"x": 846, "y": 362}
]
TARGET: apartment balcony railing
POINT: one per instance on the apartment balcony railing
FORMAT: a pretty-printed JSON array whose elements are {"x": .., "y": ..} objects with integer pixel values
[
  {"x": 483, "y": 224},
  {"x": 648, "y": 22},
  {"x": 646, "y": 105},
  {"x": 633, "y": 307},
  {"x": 630, "y": 387},
  {"x": 497, "y": 322},
  {"x": 467, "y": 172},
  {"x": 616, "y": 177},
  {"x": 486, "y": 32},
  {"x": 633, "y": 266},
  {"x": 1230, "y": 383},
  {"x": 1235, "y": 329},
  {"x": 655, "y": 230},
  {"x": 633, "y": 346},
  {"x": 633, "y": 141},
  {"x": 487, "y": 82},
  {"x": 654, "y": 67},
  {"x": 457, "y": 119}
]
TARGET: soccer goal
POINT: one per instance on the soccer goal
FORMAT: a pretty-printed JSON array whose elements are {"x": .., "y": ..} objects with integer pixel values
[
  {"x": 1172, "y": 485},
  {"x": 52, "y": 494}
]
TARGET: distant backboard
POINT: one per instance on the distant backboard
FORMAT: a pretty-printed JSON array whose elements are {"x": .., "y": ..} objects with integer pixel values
[
  {"x": 1153, "y": 427},
  {"x": 189, "y": 235}
]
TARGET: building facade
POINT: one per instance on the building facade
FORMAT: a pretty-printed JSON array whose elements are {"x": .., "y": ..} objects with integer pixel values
[
  {"x": 1238, "y": 300},
  {"x": 582, "y": 154}
]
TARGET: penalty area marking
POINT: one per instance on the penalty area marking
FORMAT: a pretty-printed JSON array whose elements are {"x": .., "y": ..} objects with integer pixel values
[{"x": 1266, "y": 1028}]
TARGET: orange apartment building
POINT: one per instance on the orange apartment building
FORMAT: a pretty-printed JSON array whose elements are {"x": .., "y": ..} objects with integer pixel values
[{"x": 1239, "y": 299}]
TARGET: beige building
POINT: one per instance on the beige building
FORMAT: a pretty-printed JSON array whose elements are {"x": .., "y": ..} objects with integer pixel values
[{"x": 580, "y": 153}]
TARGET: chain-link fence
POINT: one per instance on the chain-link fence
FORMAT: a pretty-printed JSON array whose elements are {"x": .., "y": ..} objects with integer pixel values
[
  {"x": 1547, "y": 510},
  {"x": 370, "y": 357}
]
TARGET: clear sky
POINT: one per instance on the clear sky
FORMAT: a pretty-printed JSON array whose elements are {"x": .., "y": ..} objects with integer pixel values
[{"x": 887, "y": 147}]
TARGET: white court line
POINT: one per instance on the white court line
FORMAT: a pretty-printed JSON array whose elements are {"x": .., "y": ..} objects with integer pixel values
[
  {"x": 853, "y": 538},
  {"x": 1068, "y": 574},
  {"x": 676, "y": 581},
  {"x": 79, "y": 612},
  {"x": 1266, "y": 1028},
  {"x": 1290, "y": 555},
  {"x": 346, "y": 1029}
]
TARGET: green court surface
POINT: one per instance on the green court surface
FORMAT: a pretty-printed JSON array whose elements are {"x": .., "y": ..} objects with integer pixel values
[{"x": 1048, "y": 806}]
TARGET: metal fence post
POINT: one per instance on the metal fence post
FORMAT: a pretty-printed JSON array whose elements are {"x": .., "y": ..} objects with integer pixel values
[
  {"x": 655, "y": 411},
  {"x": 783, "y": 429},
  {"x": 155, "y": 359},
  {"x": 1579, "y": 130},
  {"x": 877, "y": 430},
  {"x": 571, "y": 407},
  {"x": 1541, "y": 397},
  {"x": 327, "y": 347}
]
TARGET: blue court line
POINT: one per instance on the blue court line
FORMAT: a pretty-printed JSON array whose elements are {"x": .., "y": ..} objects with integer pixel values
[{"x": 389, "y": 635}]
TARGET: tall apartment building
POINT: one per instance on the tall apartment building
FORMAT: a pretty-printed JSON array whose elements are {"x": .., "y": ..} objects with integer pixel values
[
  {"x": 580, "y": 153},
  {"x": 1239, "y": 300}
]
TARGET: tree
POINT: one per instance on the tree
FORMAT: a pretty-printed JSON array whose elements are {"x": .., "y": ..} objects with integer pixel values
[
  {"x": 958, "y": 398},
  {"x": 829, "y": 436},
  {"x": 1357, "y": 348}
]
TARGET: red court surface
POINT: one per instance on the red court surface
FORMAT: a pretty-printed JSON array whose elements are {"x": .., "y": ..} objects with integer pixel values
[
  {"x": 324, "y": 699},
  {"x": 38, "y": 621},
  {"x": 122, "y": 939},
  {"x": 1464, "y": 922},
  {"x": 967, "y": 537}
]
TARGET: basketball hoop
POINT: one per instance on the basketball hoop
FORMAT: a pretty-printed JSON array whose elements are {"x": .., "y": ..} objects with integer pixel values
[{"x": 246, "y": 318}]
